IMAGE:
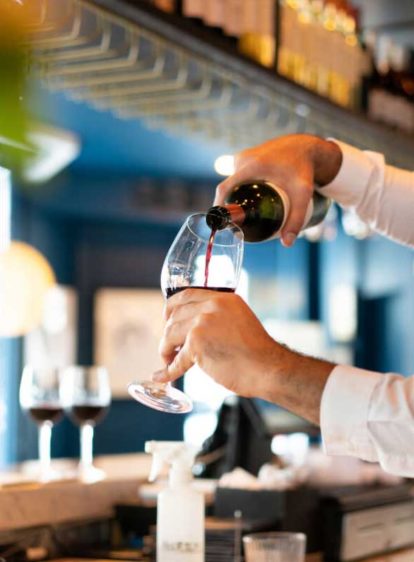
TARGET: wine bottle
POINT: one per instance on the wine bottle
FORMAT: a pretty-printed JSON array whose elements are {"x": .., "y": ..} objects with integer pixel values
[
  {"x": 257, "y": 39},
  {"x": 260, "y": 209},
  {"x": 390, "y": 87}
]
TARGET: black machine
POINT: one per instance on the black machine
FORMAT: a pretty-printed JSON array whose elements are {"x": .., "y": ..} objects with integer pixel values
[
  {"x": 243, "y": 436},
  {"x": 241, "y": 439}
]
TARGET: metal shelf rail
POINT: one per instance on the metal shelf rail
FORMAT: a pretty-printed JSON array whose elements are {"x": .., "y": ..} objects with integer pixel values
[{"x": 126, "y": 57}]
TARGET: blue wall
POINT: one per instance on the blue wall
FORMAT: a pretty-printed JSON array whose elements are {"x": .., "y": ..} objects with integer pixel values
[{"x": 381, "y": 272}]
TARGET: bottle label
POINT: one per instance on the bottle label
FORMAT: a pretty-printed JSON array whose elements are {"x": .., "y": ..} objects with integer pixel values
[{"x": 185, "y": 550}]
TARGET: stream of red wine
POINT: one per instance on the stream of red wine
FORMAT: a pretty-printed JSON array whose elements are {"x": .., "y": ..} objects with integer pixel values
[{"x": 209, "y": 253}]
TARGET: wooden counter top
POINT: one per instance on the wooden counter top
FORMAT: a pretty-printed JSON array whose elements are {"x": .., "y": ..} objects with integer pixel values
[{"x": 27, "y": 503}]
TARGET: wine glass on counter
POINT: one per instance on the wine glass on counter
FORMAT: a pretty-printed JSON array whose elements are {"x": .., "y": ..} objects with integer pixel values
[
  {"x": 86, "y": 397},
  {"x": 40, "y": 397},
  {"x": 199, "y": 258}
]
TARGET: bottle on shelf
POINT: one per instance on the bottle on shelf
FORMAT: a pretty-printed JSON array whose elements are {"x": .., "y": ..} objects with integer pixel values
[
  {"x": 233, "y": 18},
  {"x": 318, "y": 47},
  {"x": 213, "y": 15},
  {"x": 260, "y": 209},
  {"x": 193, "y": 9},
  {"x": 315, "y": 43},
  {"x": 258, "y": 25},
  {"x": 389, "y": 90}
]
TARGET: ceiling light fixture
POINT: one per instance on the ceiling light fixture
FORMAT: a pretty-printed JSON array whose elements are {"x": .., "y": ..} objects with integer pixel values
[{"x": 224, "y": 165}]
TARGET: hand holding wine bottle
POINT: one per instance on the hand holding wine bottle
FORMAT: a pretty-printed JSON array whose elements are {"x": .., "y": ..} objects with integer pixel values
[{"x": 295, "y": 163}]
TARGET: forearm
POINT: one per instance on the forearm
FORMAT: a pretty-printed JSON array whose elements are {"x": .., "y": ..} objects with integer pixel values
[{"x": 295, "y": 382}]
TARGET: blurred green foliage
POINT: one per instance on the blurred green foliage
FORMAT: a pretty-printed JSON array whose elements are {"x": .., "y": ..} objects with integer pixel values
[{"x": 14, "y": 64}]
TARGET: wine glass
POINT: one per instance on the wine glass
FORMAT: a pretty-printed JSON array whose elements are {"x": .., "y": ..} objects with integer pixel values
[
  {"x": 201, "y": 259},
  {"x": 86, "y": 396},
  {"x": 40, "y": 396}
]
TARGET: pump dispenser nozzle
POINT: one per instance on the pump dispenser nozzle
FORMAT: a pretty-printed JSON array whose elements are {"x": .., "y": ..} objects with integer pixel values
[{"x": 178, "y": 454}]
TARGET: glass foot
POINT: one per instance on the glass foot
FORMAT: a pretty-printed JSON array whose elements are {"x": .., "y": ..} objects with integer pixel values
[
  {"x": 50, "y": 475},
  {"x": 90, "y": 474},
  {"x": 161, "y": 396}
]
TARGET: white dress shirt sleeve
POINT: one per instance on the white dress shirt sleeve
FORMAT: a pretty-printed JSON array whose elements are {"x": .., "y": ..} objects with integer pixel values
[
  {"x": 381, "y": 195},
  {"x": 366, "y": 414},
  {"x": 371, "y": 416}
]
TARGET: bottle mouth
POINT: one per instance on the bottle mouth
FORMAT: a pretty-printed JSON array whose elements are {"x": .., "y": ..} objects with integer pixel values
[
  {"x": 218, "y": 218},
  {"x": 228, "y": 236}
]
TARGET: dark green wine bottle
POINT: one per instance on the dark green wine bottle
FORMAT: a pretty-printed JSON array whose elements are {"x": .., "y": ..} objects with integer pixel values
[{"x": 260, "y": 209}]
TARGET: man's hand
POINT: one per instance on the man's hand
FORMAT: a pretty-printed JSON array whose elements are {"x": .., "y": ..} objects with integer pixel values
[
  {"x": 218, "y": 332},
  {"x": 294, "y": 163}
]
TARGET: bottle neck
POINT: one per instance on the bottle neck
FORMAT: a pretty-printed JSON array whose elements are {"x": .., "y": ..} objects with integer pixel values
[
  {"x": 236, "y": 212},
  {"x": 221, "y": 216}
]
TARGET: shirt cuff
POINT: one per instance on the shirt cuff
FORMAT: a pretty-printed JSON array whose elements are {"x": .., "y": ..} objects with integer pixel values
[
  {"x": 350, "y": 184},
  {"x": 344, "y": 412}
]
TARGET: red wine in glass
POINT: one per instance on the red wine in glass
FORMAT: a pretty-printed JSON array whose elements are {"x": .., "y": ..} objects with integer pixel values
[
  {"x": 87, "y": 397},
  {"x": 198, "y": 257},
  {"x": 46, "y": 413},
  {"x": 87, "y": 413},
  {"x": 171, "y": 292},
  {"x": 40, "y": 397}
]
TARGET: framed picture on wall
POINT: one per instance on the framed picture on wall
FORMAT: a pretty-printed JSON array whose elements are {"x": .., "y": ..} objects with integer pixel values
[{"x": 128, "y": 325}]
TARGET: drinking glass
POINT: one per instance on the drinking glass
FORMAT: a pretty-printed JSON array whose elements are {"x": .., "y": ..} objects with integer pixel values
[
  {"x": 86, "y": 396},
  {"x": 274, "y": 547},
  {"x": 40, "y": 397},
  {"x": 198, "y": 259}
]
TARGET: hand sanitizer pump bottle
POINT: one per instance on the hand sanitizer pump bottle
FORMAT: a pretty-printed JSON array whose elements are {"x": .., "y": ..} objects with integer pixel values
[{"x": 180, "y": 508}]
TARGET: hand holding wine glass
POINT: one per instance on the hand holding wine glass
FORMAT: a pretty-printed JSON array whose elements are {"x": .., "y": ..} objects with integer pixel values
[
  {"x": 86, "y": 395},
  {"x": 199, "y": 258},
  {"x": 40, "y": 397}
]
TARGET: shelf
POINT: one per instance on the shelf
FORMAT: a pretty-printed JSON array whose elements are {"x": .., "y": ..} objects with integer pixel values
[{"x": 140, "y": 63}]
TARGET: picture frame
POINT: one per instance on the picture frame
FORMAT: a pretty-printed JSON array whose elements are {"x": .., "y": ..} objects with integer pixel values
[{"x": 128, "y": 325}]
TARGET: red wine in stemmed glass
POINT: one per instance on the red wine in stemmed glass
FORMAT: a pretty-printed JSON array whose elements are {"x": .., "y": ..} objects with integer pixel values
[
  {"x": 171, "y": 292},
  {"x": 87, "y": 413},
  {"x": 39, "y": 396},
  {"x": 46, "y": 413},
  {"x": 87, "y": 396},
  {"x": 202, "y": 259}
]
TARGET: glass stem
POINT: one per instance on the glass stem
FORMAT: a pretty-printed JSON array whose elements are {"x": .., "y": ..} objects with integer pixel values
[
  {"x": 86, "y": 445},
  {"x": 45, "y": 439}
]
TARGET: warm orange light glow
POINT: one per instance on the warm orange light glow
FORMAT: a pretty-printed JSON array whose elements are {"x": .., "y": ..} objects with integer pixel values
[{"x": 25, "y": 277}]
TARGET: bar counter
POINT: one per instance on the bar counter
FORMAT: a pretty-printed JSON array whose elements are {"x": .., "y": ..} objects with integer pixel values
[{"x": 27, "y": 504}]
